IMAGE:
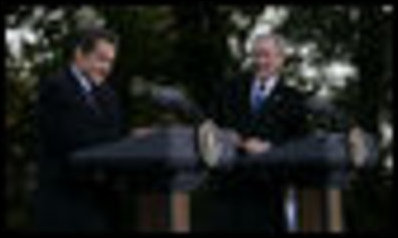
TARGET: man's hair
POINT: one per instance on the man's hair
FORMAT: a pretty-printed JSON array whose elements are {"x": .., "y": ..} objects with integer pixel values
[
  {"x": 278, "y": 40},
  {"x": 86, "y": 39}
]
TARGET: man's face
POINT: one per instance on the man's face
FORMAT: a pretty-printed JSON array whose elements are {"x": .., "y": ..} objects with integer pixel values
[
  {"x": 267, "y": 57},
  {"x": 98, "y": 63}
]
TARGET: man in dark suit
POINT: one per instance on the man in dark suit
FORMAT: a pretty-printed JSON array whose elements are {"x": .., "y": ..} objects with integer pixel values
[
  {"x": 76, "y": 108},
  {"x": 265, "y": 112},
  {"x": 260, "y": 106}
]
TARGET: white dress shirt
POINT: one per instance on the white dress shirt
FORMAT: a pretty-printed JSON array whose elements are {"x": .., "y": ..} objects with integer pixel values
[{"x": 82, "y": 79}]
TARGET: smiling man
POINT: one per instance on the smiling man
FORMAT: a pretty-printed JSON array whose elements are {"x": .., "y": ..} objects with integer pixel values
[
  {"x": 265, "y": 112},
  {"x": 262, "y": 108},
  {"x": 76, "y": 108}
]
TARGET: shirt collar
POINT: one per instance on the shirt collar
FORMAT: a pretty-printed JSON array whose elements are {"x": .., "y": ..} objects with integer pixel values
[
  {"x": 269, "y": 84},
  {"x": 81, "y": 78}
]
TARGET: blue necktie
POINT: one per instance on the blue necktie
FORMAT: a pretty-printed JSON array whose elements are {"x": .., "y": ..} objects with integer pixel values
[{"x": 258, "y": 99}]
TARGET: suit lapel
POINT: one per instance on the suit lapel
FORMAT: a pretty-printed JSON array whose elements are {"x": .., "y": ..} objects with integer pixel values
[
  {"x": 79, "y": 92},
  {"x": 273, "y": 98}
]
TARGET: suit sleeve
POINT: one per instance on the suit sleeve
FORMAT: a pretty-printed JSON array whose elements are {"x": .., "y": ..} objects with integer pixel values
[
  {"x": 60, "y": 121},
  {"x": 295, "y": 123}
]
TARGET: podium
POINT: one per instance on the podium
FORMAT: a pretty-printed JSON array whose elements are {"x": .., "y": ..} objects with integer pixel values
[{"x": 320, "y": 161}]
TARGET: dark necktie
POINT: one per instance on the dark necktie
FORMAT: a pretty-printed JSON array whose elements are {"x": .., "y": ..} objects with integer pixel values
[
  {"x": 258, "y": 99},
  {"x": 92, "y": 100},
  {"x": 92, "y": 96}
]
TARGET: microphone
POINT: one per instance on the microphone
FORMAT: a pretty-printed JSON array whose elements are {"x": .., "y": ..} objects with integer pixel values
[
  {"x": 169, "y": 97},
  {"x": 174, "y": 99}
]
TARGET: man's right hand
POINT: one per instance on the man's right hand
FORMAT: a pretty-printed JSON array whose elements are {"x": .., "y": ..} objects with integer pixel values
[{"x": 255, "y": 146}]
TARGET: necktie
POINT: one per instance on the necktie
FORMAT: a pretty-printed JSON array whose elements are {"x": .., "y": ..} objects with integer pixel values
[
  {"x": 258, "y": 99},
  {"x": 92, "y": 101}
]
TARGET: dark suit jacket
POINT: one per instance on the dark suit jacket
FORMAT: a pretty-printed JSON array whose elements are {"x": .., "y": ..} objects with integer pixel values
[
  {"x": 281, "y": 118},
  {"x": 67, "y": 122}
]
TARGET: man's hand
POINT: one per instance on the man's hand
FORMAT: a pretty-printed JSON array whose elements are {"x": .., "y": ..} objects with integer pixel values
[
  {"x": 142, "y": 131},
  {"x": 255, "y": 146}
]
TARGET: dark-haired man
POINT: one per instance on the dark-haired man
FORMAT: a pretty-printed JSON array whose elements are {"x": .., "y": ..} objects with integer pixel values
[{"x": 76, "y": 108}]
